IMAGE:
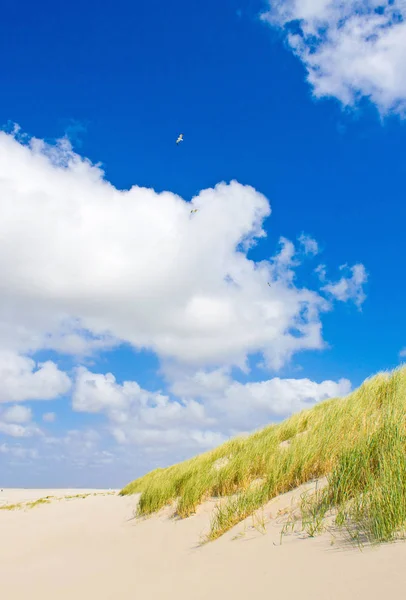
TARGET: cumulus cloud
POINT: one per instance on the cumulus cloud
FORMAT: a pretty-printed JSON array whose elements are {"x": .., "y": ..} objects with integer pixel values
[
  {"x": 17, "y": 430},
  {"x": 17, "y": 414},
  {"x": 209, "y": 406},
  {"x": 245, "y": 406},
  {"x": 201, "y": 410},
  {"x": 21, "y": 379},
  {"x": 351, "y": 287},
  {"x": 94, "y": 266},
  {"x": 350, "y": 49},
  {"x": 141, "y": 417},
  {"x": 16, "y": 421}
]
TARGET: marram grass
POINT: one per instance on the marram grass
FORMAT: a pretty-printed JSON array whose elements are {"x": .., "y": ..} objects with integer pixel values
[
  {"x": 357, "y": 442},
  {"x": 47, "y": 500}
]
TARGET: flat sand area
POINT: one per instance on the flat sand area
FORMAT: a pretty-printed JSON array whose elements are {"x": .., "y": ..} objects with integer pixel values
[{"x": 90, "y": 547}]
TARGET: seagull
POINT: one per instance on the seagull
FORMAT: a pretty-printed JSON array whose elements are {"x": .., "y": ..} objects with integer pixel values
[
  {"x": 180, "y": 139},
  {"x": 194, "y": 211}
]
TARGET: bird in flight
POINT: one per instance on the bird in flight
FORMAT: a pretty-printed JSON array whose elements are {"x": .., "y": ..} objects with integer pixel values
[
  {"x": 194, "y": 211},
  {"x": 180, "y": 139}
]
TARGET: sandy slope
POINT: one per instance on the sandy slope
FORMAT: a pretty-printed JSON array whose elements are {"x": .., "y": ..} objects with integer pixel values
[{"x": 93, "y": 548}]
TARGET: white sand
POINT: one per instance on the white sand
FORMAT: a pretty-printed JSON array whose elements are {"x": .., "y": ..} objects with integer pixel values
[{"x": 92, "y": 548}]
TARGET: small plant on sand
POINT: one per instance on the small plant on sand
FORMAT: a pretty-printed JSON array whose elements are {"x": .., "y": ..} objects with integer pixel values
[
  {"x": 258, "y": 522},
  {"x": 21, "y": 505},
  {"x": 47, "y": 500},
  {"x": 11, "y": 506}
]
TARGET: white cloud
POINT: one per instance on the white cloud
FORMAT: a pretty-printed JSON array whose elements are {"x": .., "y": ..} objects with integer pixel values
[
  {"x": 210, "y": 406},
  {"x": 17, "y": 430},
  {"x": 17, "y": 451},
  {"x": 350, "y": 49},
  {"x": 16, "y": 421},
  {"x": 139, "y": 416},
  {"x": 240, "y": 407},
  {"x": 94, "y": 266},
  {"x": 310, "y": 246},
  {"x": 78, "y": 448},
  {"x": 49, "y": 417},
  {"x": 402, "y": 353},
  {"x": 17, "y": 414},
  {"x": 349, "y": 288},
  {"x": 321, "y": 271},
  {"x": 21, "y": 379}
]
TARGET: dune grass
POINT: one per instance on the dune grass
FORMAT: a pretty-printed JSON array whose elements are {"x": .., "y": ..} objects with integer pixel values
[
  {"x": 47, "y": 500},
  {"x": 357, "y": 442},
  {"x": 33, "y": 504}
]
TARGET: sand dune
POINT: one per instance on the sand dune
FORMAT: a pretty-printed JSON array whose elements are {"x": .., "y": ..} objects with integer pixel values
[{"x": 92, "y": 547}]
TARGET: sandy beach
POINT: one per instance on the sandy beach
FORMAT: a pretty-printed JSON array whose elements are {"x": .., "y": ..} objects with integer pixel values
[{"x": 90, "y": 546}]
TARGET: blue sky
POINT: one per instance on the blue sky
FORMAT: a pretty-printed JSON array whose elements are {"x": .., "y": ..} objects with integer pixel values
[{"x": 151, "y": 353}]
